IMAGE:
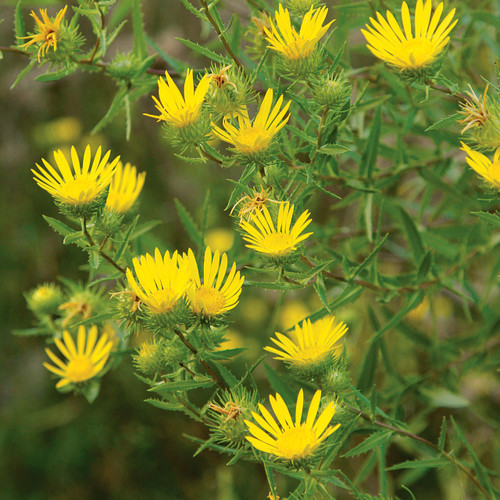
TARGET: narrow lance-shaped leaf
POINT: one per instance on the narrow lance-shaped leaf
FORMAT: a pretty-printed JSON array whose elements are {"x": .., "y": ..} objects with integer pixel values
[{"x": 370, "y": 153}]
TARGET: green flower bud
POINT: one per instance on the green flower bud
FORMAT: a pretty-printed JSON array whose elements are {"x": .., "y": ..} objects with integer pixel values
[
  {"x": 149, "y": 358},
  {"x": 45, "y": 299}
]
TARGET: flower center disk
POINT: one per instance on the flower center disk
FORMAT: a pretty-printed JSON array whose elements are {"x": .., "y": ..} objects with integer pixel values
[{"x": 296, "y": 443}]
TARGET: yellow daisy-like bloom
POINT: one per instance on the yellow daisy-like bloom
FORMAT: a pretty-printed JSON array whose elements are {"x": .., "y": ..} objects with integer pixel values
[
  {"x": 406, "y": 50},
  {"x": 163, "y": 280},
  {"x": 214, "y": 297},
  {"x": 251, "y": 138},
  {"x": 285, "y": 438},
  {"x": 487, "y": 169},
  {"x": 284, "y": 38},
  {"x": 125, "y": 187},
  {"x": 312, "y": 343},
  {"x": 81, "y": 184},
  {"x": 49, "y": 31},
  {"x": 175, "y": 109},
  {"x": 84, "y": 361},
  {"x": 279, "y": 242}
]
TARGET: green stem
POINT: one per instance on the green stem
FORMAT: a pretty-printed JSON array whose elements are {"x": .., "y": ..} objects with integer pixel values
[
  {"x": 221, "y": 36},
  {"x": 428, "y": 443},
  {"x": 205, "y": 365},
  {"x": 103, "y": 254}
]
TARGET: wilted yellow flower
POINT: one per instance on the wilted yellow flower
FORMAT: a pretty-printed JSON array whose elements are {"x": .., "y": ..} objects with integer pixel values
[
  {"x": 48, "y": 31},
  {"x": 84, "y": 361},
  {"x": 311, "y": 343},
  {"x": 280, "y": 241},
  {"x": 82, "y": 183},
  {"x": 487, "y": 169},
  {"x": 288, "y": 439},
  {"x": 176, "y": 109},
  {"x": 125, "y": 187},
  {"x": 406, "y": 50},
  {"x": 284, "y": 38},
  {"x": 163, "y": 280},
  {"x": 213, "y": 298},
  {"x": 254, "y": 138}
]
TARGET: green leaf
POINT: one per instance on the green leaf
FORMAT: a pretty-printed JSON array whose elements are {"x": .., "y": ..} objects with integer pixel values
[
  {"x": 492, "y": 219},
  {"x": 29, "y": 332},
  {"x": 94, "y": 257},
  {"x": 124, "y": 244},
  {"x": 442, "y": 435},
  {"x": 165, "y": 389},
  {"x": 445, "y": 122},
  {"x": 414, "y": 239},
  {"x": 114, "y": 108},
  {"x": 140, "y": 49},
  {"x": 368, "y": 259},
  {"x": 19, "y": 22},
  {"x": 369, "y": 157},
  {"x": 228, "y": 377},
  {"x": 281, "y": 385},
  {"x": 188, "y": 224},
  {"x": 333, "y": 149},
  {"x": 163, "y": 405},
  {"x": 144, "y": 228},
  {"x": 24, "y": 72},
  {"x": 426, "y": 463},
  {"x": 59, "y": 226},
  {"x": 440, "y": 397},
  {"x": 91, "y": 390},
  {"x": 412, "y": 301},
  {"x": 376, "y": 439},
  {"x": 56, "y": 75},
  {"x": 367, "y": 376},
  {"x": 424, "y": 267},
  {"x": 205, "y": 52}
]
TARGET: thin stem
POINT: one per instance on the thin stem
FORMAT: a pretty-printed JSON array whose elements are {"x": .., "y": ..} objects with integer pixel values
[
  {"x": 320, "y": 134},
  {"x": 428, "y": 443},
  {"x": 221, "y": 36},
  {"x": 205, "y": 365},
  {"x": 101, "y": 252}
]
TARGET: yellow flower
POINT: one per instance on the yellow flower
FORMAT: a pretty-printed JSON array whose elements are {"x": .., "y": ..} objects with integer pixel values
[
  {"x": 405, "y": 50},
  {"x": 84, "y": 361},
  {"x": 81, "y": 184},
  {"x": 175, "y": 109},
  {"x": 125, "y": 187},
  {"x": 284, "y": 38},
  {"x": 48, "y": 31},
  {"x": 213, "y": 298},
  {"x": 163, "y": 280},
  {"x": 279, "y": 242},
  {"x": 487, "y": 169},
  {"x": 311, "y": 344},
  {"x": 285, "y": 438},
  {"x": 251, "y": 138}
]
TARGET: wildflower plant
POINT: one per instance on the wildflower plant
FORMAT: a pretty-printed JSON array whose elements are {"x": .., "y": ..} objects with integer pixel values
[{"x": 344, "y": 190}]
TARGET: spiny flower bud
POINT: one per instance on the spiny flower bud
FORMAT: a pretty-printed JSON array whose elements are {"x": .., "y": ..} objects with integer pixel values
[
  {"x": 229, "y": 91},
  {"x": 149, "y": 358},
  {"x": 44, "y": 299},
  {"x": 331, "y": 92},
  {"x": 300, "y": 7},
  {"x": 481, "y": 118}
]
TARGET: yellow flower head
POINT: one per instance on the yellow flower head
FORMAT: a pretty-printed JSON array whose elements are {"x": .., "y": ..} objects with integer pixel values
[
  {"x": 288, "y": 439},
  {"x": 311, "y": 344},
  {"x": 280, "y": 241},
  {"x": 284, "y": 38},
  {"x": 175, "y": 109},
  {"x": 254, "y": 138},
  {"x": 163, "y": 280},
  {"x": 48, "y": 31},
  {"x": 125, "y": 187},
  {"x": 81, "y": 184},
  {"x": 407, "y": 50},
  {"x": 214, "y": 297},
  {"x": 84, "y": 361},
  {"x": 487, "y": 169}
]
